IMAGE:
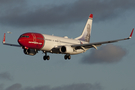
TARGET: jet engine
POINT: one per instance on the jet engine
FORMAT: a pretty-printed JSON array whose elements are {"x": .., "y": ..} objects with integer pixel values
[
  {"x": 31, "y": 52},
  {"x": 66, "y": 49}
]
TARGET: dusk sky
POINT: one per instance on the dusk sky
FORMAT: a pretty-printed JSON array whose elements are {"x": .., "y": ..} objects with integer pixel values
[{"x": 111, "y": 67}]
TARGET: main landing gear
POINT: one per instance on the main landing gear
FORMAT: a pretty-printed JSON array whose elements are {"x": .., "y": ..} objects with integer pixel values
[
  {"x": 46, "y": 57},
  {"x": 67, "y": 57}
]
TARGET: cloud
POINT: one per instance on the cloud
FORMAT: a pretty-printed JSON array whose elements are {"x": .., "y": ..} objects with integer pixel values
[
  {"x": 68, "y": 87},
  {"x": 80, "y": 87},
  {"x": 105, "y": 54},
  {"x": 9, "y": 1},
  {"x": 65, "y": 13},
  {"x": 1, "y": 86},
  {"x": 5, "y": 76},
  {"x": 15, "y": 87}
]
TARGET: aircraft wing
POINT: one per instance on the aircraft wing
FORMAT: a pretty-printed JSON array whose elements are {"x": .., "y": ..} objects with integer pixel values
[
  {"x": 11, "y": 44},
  {"x": 4, "y": 42},
  {"x": 94, "y": 45}
]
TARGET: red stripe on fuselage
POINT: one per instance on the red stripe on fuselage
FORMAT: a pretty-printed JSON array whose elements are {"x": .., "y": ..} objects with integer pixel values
[{"x": 32, "y": 40}]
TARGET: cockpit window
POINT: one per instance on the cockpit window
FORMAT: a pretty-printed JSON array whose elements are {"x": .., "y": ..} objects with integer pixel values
[{"x": 24, "y": 36}]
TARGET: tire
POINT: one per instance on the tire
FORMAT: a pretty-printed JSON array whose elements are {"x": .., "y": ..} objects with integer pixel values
[
  {"x": 69, "y": 57},
  {"x": 65, "y": 57},
  {"x": 48, "y": 57},
  {"x": 44, "y": 57}
]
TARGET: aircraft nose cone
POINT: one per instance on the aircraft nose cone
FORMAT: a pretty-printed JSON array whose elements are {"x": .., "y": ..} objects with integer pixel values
[{"x": 20, "y": 41}]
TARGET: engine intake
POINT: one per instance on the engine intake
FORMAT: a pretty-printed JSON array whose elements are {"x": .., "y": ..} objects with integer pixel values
[
  {"x": 31, "y": 52},
  {"x": 66, "y": 49}
]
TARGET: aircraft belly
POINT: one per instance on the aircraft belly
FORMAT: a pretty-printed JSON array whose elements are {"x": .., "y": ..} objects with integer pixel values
[
  {"x": 48, "y": 45},
  {"x": 53, "y": 44}
]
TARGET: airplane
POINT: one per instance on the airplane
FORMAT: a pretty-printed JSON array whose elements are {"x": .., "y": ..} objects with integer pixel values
[{"x": 32, "y": 42}]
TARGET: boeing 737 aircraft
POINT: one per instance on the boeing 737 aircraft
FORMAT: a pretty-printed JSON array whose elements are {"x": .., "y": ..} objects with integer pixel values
[{"x": 31, "y": 42}]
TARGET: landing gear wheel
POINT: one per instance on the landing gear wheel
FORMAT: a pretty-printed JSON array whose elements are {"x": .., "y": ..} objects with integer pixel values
[
  {"x": 48, "y": 57},
  {"x": 67, "y": 57},
  {"x": 44, "y": 57}
]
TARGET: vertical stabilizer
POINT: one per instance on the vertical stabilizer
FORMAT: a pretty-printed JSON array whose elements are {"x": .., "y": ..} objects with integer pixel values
[{"x": 87, "y": 30}]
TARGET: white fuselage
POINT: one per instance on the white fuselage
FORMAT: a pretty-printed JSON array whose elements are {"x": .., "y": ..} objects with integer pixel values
[{"x": 55, "y": 41}]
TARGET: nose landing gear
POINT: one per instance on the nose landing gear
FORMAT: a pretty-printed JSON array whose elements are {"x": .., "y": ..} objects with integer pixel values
[{"x": 46, "y": 57}]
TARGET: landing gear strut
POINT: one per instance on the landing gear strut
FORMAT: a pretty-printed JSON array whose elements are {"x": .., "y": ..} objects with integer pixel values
[
  {"x": 46, "y": 57},
  {"x": 67, "y": 57}
]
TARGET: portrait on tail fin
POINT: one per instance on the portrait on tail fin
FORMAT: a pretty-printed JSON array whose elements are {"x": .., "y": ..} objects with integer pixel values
[{"x": 87, "y": 38}]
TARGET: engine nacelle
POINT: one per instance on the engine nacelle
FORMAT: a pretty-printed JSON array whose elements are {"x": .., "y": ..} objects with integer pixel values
[
  {"x": 66, "y": 49},
  {"x": 31, "y": 52}
]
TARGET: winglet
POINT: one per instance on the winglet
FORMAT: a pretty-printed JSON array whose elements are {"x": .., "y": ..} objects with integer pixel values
[
  {"x": 4, "y": 38},
  {"x": 131, "y": 33},
  {"x": 91, "y": 16}
]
